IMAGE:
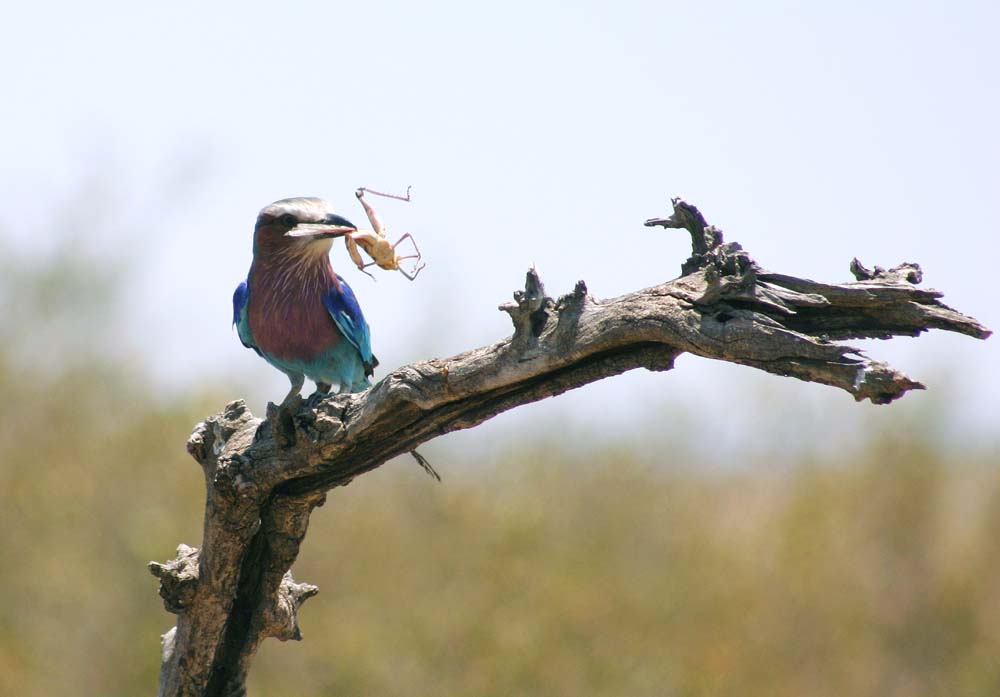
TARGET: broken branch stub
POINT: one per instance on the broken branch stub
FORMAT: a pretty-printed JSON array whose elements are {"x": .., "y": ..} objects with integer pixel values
[
  {"x": 530, "y": 310},
  {"x": 178, "y": 579},
  {"x": 704, "y": 237}
]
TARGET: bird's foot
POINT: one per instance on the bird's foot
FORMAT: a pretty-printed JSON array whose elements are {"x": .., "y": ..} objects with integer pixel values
[{"x": 322, "y": 390}]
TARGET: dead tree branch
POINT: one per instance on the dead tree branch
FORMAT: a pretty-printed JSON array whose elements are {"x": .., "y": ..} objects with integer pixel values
[{"x": 264, "y": 478}]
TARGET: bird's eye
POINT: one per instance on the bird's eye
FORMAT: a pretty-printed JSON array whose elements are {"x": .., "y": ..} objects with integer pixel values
[{"x": 288, "y": 220}]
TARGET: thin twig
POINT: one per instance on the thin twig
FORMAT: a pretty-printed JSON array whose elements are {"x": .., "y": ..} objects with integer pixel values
[{"x": 422, "y": 461}]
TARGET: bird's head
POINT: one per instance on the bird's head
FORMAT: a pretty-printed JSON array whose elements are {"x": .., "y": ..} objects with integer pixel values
[{"x": 303, "y": 225}]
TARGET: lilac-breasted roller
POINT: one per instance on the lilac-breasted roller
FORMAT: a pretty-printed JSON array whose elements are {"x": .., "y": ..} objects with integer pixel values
[{"x": 293, "y": 309}]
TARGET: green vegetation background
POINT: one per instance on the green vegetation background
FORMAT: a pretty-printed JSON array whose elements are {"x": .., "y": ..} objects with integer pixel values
[{"x": 635, "y": 570}]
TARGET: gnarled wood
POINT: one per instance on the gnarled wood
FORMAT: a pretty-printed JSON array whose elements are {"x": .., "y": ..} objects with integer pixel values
[{"x": 264, "y": 478}]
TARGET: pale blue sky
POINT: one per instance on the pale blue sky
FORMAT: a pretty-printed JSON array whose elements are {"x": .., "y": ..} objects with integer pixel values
[{"x": 531, "y": 132}]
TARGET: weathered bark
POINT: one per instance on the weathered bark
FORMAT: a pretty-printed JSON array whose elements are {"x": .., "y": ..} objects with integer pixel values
[{"x": 264, "y": 478}]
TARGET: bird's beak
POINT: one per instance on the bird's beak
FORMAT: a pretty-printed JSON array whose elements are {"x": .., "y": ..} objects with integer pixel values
[{"x": 333, "y": 226}]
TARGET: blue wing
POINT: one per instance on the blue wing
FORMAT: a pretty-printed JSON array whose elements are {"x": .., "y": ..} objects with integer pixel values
[
  {"x": 346, "y": 313},
  {"x": 240, "y": 298}
]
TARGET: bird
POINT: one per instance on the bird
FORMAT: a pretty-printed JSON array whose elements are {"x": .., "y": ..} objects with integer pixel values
[{"x": 294, "y": 310}]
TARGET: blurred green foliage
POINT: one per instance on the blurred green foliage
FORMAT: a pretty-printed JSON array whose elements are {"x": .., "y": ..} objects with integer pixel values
[{"x": 627, "y": 572}]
